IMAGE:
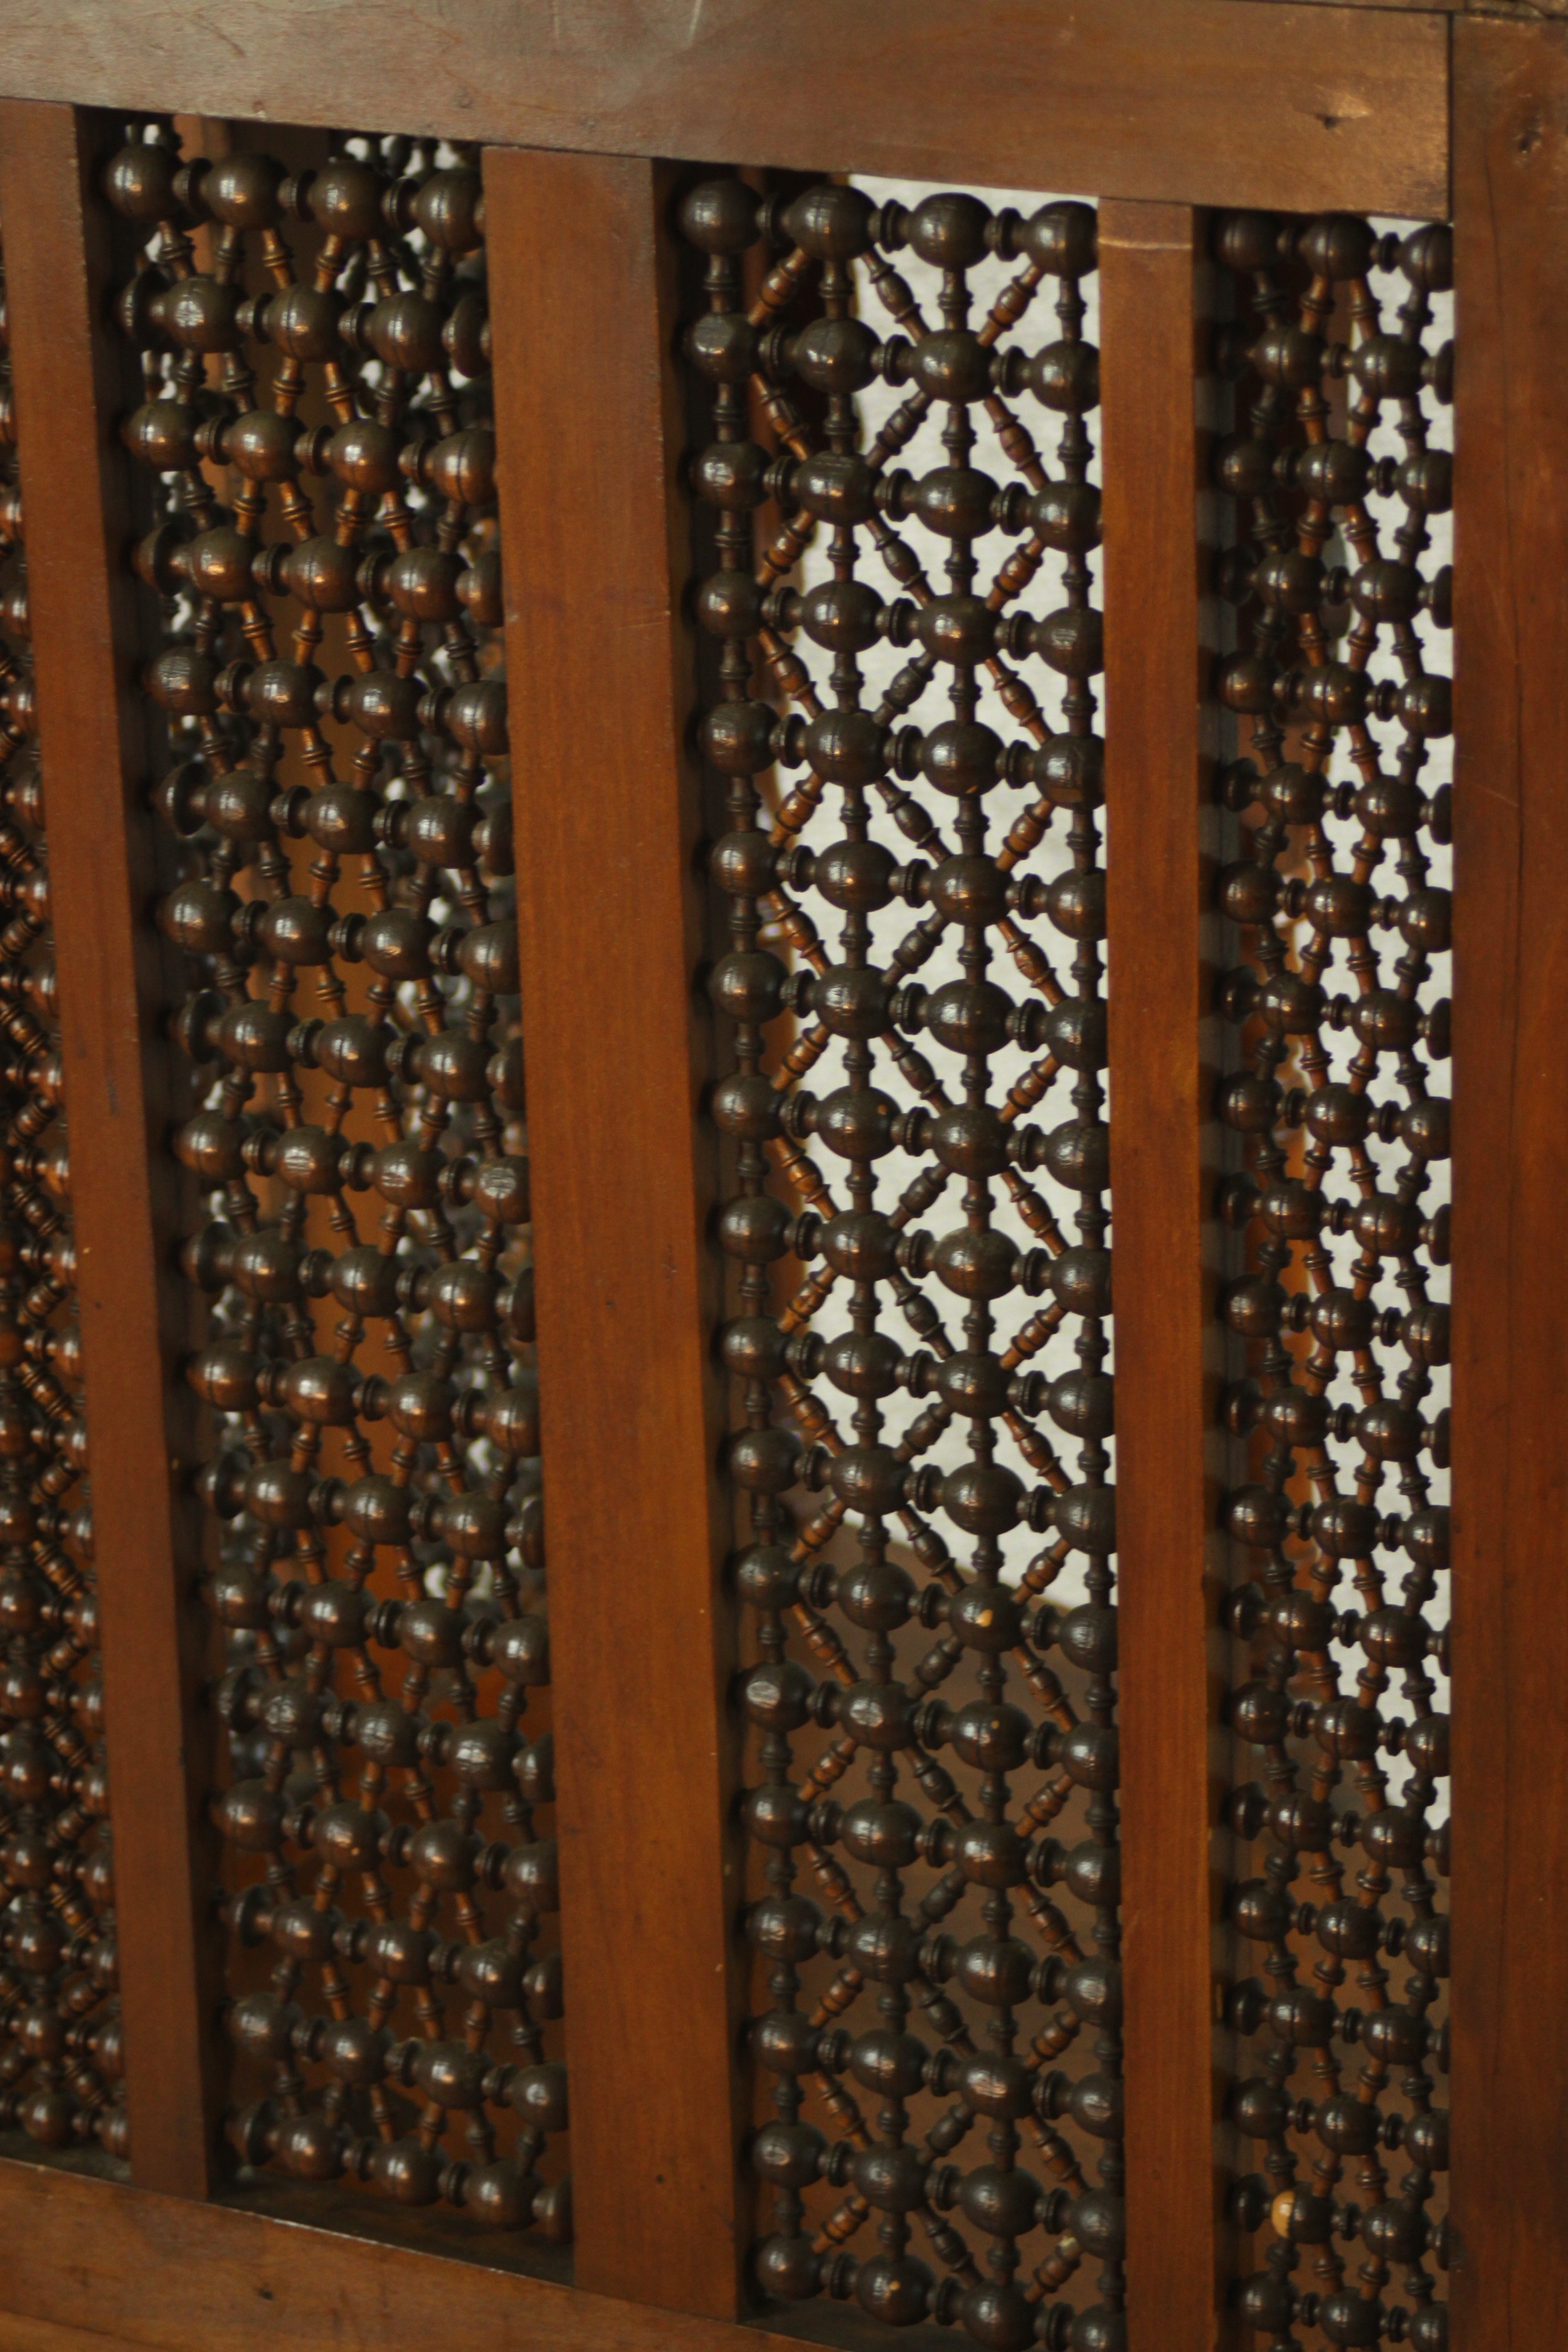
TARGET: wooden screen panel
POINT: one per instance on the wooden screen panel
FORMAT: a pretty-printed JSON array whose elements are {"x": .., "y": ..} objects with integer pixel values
[
  {"x": 61, "y": 2073},
  {"x": 333, "y": 788},
  {"x": 918, "y": 1276},
  {"x": 1338, "y": 1114}
]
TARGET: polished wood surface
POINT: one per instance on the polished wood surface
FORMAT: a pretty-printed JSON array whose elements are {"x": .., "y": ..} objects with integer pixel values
[
  {"x": 67, "y": 391},
  {"x": 42, "y": 2335},
  {"x": 1160, "y": 821},
  {"x": 1510, "y": 1340},
  {"x": 1319, "y": 107},
  {"x": 606, "y": 820},
  {"x": 1527, "y": 8},
  {"x": 174, "y": 2275}
]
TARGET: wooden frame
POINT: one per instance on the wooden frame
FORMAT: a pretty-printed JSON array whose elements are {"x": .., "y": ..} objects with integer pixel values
[
  {"x": 623, "y": 1201},
  {"x": 1156, "y": 110},
  {"x": 1160, "y": 817},
  {"x": 1320, "y": 108},
  {"x": 1510, "y": 843},
  {"x": 135, "y": 2267}
]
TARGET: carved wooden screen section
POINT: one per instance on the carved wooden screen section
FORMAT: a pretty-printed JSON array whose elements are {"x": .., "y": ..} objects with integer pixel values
[
  {"x": 334, "y": 792},
  {"x": 920, "y": 1281},
  {"x": 985, "y": 803},
  {"x": 1341, "y": 477},
  {"x": 60, "y": 2039}
]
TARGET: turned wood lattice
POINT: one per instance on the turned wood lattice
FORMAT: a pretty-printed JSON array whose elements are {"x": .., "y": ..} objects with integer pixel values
[{"x": 762, "y": 818}]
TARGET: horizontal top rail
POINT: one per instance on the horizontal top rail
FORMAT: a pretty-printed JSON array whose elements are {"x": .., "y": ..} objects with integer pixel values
[{"x": 1122, "y": 97}]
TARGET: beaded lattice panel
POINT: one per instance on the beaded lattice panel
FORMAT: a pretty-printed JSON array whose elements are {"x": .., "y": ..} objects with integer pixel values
[
  {"x": 316, "y": 427},
  {"x": 916, "y": 1229},
  {"x": 1341, "y": 484},
  {"x": 59, "y": 2026}
]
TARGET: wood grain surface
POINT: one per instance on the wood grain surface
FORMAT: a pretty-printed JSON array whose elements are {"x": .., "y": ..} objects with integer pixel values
[
  {"x": 1511, "y": 1125},
  {"x": 1165, "y": 1163},
  {"x": 42, "y": 2335},
  {"x": 1319, "y": 106},
  {"x": 68, "y": 398},
  {"x": 175, "y": 2276},
  {"x": 606, "y": 814}
]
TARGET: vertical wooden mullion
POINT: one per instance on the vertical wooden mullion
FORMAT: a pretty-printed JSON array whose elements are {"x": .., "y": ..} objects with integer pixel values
[
  {"x": 1164, "y": 1167},
  {"x": 72, "y": 390},
  {"x": 606, "y": 812},
  {"x": 1510, "y": 1698}
]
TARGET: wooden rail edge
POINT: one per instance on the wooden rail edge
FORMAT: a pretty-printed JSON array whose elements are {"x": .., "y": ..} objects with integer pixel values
[
  {"x": 95, "y": 2261},
  {"x": 1322, "y": 107}
]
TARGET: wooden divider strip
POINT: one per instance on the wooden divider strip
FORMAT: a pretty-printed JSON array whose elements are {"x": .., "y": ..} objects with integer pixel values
[
  {"x": 1164, "y": 1162},
  {"x": 1510, "y": 1905},
  {"x": 606, "y": 814},
  {"x": 71, "y": 391}
]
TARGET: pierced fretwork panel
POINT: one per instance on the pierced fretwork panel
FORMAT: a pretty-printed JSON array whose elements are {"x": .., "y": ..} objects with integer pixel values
[
  {"x": 316, "y": 426},
  {"x": 60, "y": 2025},
  {"x": 1341, "y": 477},
  {"x": 916, "y": 1234}
]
